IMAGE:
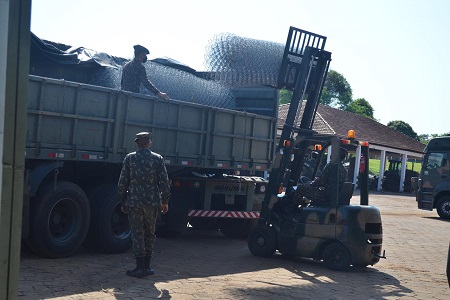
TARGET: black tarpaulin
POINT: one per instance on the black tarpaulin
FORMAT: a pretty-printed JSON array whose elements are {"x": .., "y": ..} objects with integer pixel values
[{"x": 64, "y": 54}]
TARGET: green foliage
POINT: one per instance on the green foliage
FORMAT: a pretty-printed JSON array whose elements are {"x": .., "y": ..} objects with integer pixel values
[
  {"x": 374, "y": 166},
  {"x": 404, "y": 128},
  {"x": 361, "y": 107},
  {"x": 285, "y": 96},
  {"x": 425, "y": 138},
  {"x": 337, "y": 92}
]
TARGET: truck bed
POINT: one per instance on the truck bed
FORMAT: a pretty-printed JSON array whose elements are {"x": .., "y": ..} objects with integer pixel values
[{"x": 79, "y": 122}]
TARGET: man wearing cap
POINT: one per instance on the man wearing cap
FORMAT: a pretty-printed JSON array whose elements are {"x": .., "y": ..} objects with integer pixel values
[
  {"x": 134, "y": 74},
  {"x": 143, "y": 190},
  {"x": 317, "y": 190}
]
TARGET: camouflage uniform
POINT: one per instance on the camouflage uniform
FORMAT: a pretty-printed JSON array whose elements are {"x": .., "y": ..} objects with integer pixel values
[
  {"x": 308, "y": 167},
  {"x": 143, "y": 186},
  {"x": 317, "y": 190},
  {"x": 133, "y": 75}
]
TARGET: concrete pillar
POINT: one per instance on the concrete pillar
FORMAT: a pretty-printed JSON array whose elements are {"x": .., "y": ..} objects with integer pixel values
[
  {"x": 329, "y": 154},
  {"x": 382, "y": 168},
  {"x": 14, "y": 67},
  {"x": 403, "y": 172},
  {"x": 357, "y": 164}
]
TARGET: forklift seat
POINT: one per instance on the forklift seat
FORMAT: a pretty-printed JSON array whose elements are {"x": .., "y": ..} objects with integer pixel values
[{"x": 346, "y": 193}]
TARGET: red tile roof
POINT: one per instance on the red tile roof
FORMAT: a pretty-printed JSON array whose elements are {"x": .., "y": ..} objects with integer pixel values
[{"x": 330, "y": 120}]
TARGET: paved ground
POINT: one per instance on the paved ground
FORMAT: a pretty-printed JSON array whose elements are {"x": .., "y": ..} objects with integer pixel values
[{"x": 207, "y": 265}]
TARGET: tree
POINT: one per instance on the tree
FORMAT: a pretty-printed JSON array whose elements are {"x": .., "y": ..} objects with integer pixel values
[
  {"x": 337, "y": 92},
  {"x": 361, "y": 107},
  {"x": 404, "y": 128},
  {"x": 285, "y": 96}
]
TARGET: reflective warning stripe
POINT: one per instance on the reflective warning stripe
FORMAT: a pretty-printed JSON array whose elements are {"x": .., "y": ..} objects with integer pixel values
[{"x": 223, "y": 214}]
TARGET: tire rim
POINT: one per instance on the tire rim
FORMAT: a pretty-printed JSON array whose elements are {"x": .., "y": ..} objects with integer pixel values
[
  {"x": 64, "y": 220},
  {"x": 446, "y": 208},
  {"x": 260, "y": 241}
]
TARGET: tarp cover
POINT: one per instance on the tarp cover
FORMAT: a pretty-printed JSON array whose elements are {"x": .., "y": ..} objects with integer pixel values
[
  {"x": 64, "y": 54},
  {"x": 74, "y": 56}
]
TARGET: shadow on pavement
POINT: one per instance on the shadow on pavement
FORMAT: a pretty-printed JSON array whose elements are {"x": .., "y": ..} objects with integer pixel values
[{"x": 193, "y": 255}]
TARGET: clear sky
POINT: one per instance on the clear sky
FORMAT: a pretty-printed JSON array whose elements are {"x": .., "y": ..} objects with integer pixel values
[{"x": 393, "y": 53}]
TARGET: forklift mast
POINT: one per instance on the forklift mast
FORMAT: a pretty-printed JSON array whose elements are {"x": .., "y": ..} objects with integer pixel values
[{"x": 303, "y": 71}]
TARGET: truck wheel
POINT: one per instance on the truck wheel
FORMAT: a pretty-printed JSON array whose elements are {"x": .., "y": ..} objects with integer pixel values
[
  {"x": 262, "y": 241},
  {"x": 60, "y": 220},
  {"x": 109, "y": 231},
  {"x": 236, "y": 228},
  {"x": 336, "y": 257},
  {"x": 443, "y": 207}
]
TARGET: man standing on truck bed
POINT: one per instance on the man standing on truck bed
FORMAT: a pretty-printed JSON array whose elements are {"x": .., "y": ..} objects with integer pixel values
[
  {"x": 134, "y": 74},
  {"x": 143, "y": 190}
]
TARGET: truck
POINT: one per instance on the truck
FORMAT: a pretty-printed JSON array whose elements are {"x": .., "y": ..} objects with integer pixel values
[
  {"x": 432, "y": 186},
  {"x": 337, "y": 232},
  {"x": 78, "y": 135}
]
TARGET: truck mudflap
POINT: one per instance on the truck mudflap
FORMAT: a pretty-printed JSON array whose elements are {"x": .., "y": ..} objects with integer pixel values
[{"x": 223, "y": 214}]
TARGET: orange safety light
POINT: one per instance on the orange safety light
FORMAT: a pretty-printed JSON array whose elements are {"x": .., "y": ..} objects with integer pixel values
[
  {"x": 287, "y": 143},
  {"x": 318, "y": 147},
  {"x": 280, "y": 189},
  {"x": 351, "y": 135}
]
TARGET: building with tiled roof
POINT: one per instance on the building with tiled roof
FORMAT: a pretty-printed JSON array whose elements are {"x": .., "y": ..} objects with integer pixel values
[{"x": 384, "y": 142}]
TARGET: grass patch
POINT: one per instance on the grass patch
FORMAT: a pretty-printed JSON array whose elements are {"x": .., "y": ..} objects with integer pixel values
[{"x": 374, "y": 166}]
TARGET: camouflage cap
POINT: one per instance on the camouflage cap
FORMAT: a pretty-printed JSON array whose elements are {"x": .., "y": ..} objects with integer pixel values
[{"x": 142, "y": 135}]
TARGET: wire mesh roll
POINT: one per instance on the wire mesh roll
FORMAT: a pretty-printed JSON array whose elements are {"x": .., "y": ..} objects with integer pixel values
[{"x": 239, "y": 61}]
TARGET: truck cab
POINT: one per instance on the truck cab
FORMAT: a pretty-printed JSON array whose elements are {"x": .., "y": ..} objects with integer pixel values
[{"x": 432, "y": 187}]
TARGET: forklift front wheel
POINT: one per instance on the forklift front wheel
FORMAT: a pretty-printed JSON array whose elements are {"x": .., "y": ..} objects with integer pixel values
[
  {"x": 336, "y": 257},
  {"x": 262, "y": 241}
]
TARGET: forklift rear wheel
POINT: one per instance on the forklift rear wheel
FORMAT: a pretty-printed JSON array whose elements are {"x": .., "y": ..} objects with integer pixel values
[
  {"x": 262, "y": 241},
  {"x": 336, "y": 257}
]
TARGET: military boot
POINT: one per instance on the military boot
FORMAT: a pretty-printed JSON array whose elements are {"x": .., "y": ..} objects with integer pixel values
[
  {"x": 148, "y": 269},
  {"x": 140, "y": 270}
]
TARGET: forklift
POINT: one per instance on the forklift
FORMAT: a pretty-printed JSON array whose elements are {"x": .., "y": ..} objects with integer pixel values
[{"x": 334, "y": 231}]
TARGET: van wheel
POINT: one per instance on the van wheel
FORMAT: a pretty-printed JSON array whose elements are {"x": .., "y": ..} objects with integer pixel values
[
  {"x": 262, "y": 241},
  {"x": 110, "y": 230},
  {"x": 336, "y": 257},
  {"x": 60, "y": 220},
  {"x": 443, "y": 207}
]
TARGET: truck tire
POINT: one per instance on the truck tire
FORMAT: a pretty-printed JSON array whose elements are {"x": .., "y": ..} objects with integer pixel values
[
  {"x": 336, "y": 257},
  {"x": 109, "y": 231},
  {"x": 262, "y": 241},
  {"x": 60, "y": 220},
  {"x": 236, "y": 228},
  {"x": 443, "y": 207}
]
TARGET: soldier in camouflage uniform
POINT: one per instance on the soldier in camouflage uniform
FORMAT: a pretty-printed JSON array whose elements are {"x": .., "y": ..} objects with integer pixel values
[
  {"x": 143, "y": 190},
  {"x": 317, "y": 190},
  {"x": 309, "y": 164},
  {"x": 134, "y": 74}
]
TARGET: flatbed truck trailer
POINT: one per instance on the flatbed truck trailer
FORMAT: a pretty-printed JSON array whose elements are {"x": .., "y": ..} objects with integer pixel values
[{"x": 78, "y": 135}]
